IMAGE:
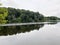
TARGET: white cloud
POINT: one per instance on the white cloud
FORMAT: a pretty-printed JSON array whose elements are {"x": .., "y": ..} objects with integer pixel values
[{"x": 46, "y": 7}]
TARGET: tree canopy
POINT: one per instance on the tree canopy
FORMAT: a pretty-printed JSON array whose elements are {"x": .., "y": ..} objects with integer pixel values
[
  {"x": 12, "y": 15},
  {"x": 21, "y": 15},
  {"x": 3, "y": 15}
]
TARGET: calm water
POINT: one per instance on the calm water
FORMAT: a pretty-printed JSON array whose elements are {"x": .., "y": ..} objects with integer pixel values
[{"x": 44, "y": 34}]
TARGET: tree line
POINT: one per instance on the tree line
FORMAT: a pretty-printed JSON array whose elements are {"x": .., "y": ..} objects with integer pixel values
[{"x": 12, "y": 15}]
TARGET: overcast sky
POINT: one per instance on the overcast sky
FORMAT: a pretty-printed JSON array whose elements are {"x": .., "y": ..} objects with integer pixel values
[{"x": 46, "y": 7}]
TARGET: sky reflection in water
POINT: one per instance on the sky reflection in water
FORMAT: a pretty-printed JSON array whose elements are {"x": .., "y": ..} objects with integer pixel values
[{"x": 47, "y": 35}]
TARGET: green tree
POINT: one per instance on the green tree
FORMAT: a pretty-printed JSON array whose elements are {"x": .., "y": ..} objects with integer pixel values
[{"x": 3, "y": 15}]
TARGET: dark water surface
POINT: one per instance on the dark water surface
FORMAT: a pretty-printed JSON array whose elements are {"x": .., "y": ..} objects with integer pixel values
[{"x": 43, "y": 34}]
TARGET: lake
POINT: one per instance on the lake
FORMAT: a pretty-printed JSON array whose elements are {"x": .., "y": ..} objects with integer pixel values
[{"x": 43, "y": 34}]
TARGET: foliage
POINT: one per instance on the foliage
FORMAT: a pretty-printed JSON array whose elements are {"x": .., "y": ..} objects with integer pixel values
[
  {"x": 3, "y": 15},
  {"x": 21, "y": 15},
  {"x": 51, "y": 19},
  {"x": 12, "y": 15}
]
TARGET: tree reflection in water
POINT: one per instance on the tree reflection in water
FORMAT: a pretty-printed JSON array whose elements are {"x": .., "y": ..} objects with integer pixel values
[
  {"x": 11, "y": 30},
  {"x": 18, "y": 29}
]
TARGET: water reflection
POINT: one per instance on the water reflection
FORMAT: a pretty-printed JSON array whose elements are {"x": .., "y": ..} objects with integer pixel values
[
  {"x": 53, "y": 23},
  {"x": 19, "y": 29}
]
